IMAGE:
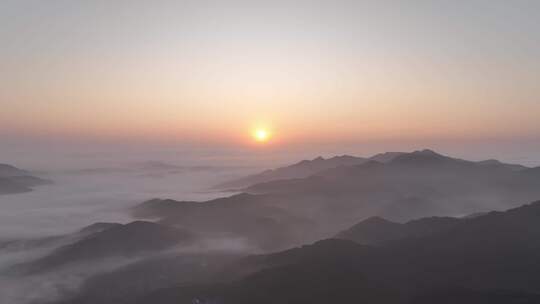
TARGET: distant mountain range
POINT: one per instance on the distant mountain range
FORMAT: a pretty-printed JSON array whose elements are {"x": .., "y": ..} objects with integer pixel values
[
  {"x": 14, "y": 180},
  {"x": 281, "y": 213},
  {"x": 299, "y": 170},
  {"x": 306, "y": 168}
]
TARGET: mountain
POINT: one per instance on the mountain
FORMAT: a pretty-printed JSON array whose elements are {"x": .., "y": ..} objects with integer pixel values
[
  {"x": 386, "y": 157},
  {"x": 494, "y": 162},
  {"x": 278, "y": 214},
  {"x": 301, "y": 169},
  {"x": 10, "y": 171},
  {"x": 97, "y": 227},
  {"x": 376, "y": 230},
  {"x": 306, "y": 168},
  {"x": 20, "y": 184},
  {"x": 532, "y": 172},
  {"x": 111, "y": 241},
  {"x": 412, "y": 185},
  {"x": 391, "y": 230},
  {"x": 8, "y": 186},
  {"x": 133, "y": 281},
  {"x": 425, "y": 157},
  {"x": 254, "y": 218},
  {"x": 488, "y": 259},
  {"x": 14, "y": 180}
]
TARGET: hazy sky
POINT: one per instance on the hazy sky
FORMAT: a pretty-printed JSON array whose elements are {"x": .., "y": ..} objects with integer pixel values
[{"x": 311, "y": 71}]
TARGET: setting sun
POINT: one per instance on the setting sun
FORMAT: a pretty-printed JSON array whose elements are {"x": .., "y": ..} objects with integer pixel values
[{"x": 261, "y": 135}]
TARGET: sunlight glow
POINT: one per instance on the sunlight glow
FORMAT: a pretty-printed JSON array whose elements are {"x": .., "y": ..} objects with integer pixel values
[{"x": 261, "y": 135}]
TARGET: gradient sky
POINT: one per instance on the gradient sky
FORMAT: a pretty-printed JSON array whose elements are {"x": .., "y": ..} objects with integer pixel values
[{"x": 338, "y": 72}]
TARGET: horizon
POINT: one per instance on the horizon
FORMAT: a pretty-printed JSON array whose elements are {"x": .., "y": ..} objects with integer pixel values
[{"x": 58, "y": 158}]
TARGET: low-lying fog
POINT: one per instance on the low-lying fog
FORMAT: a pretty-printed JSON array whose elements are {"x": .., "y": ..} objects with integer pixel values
[
  {"x": 91, "y": 187},
  {"x": 79, "y": 197}
]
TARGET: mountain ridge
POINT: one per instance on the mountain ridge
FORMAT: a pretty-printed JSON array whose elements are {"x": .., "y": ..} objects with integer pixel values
[
  {"x": 418, "y": 271},
  {"x": 318, "y": 165},
  {"x": 14, "y": 180}
]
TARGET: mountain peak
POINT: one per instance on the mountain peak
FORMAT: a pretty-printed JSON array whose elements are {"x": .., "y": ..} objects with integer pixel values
[
  {"x": 98, "y": 227},
  {"x": 427, "y": 152},
  {"x": 11, "y": 171},
  {"x": 343, "y": 157},
  {"x": 489, "y": 162},
  {"x": 376, "y": 220},
  {"x": 386, "y": 157},
  {"x": 425, "y": 156}
]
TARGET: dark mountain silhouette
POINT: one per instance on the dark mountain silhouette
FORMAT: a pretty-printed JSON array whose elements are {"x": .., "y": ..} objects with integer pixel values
[
  {"x": 10, "y": 171},
  {"x": 386, "y": 156},
  {"x": 282, "y": 213},
  {"x": 425, "y": 157},
  {"x": 376, "y": 230},
  {"x": 307, "y": 168},
  {"x": 468, "y": 296},
  {"x": 532, "y": 172},
  {"x": 252, "y": 217},
  {"x": 301, "y": 169},
  {"x": 494, "y": 162},
  {"x": 412, "y": 185},
  {"x": 97, "y": 227},
  {"x": 8, "y": 186},
  {"x": 14, "y": 180},
  {"x": 111, "y": 240},
  {"x": 488, "y": 259}
]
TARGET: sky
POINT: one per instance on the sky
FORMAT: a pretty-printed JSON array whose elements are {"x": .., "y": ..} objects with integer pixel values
[{"x": 461, "y": 75}]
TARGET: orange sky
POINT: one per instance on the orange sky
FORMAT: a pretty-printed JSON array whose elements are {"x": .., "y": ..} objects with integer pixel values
[{"x": 310, "y": 72}]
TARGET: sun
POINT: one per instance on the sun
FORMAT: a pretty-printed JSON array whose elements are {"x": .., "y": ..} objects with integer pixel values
[{"x": 261, "y": 135}]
